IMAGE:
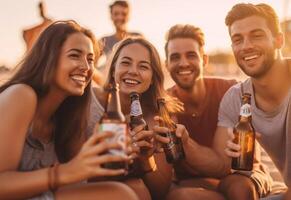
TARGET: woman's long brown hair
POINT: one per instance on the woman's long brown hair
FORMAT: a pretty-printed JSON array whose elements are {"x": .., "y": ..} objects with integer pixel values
[{"x": 38, "y": 69}]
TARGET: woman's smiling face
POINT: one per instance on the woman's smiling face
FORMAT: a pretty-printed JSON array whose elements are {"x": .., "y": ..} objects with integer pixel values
[{"x": 133, "y": 70}]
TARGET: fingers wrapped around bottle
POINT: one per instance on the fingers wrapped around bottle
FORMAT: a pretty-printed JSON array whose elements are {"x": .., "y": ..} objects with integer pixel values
[
  {"x": 142, "y": 141},
  {"x": 232, "y": 149},
  {"x": 161, "y": 133},
  {"x": 93, "y": 154}
]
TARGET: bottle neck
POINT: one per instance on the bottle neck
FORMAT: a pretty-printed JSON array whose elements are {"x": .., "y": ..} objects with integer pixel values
[
  {"x": 113, "y": 103},
  {"x": 244, "y": 119},
  {"x": 164, "y": 114},
  {"x": 245, "y": 112},
  {"x": 135, "y": 108}
]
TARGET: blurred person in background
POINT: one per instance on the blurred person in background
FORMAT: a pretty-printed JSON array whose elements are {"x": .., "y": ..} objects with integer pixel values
[
  {"x": 30, "y": 35},
  {"x": 119, "y": 12}
]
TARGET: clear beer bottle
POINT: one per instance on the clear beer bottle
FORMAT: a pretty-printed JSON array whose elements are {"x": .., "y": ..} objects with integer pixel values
[
  {"x": 113, "y": 120},
  {"x": 136, "y": 119},
  {"x": 244, "y": 135}
]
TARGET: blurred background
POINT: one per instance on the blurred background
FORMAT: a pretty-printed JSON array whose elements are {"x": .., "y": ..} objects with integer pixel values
[{"x": 152, "y": 18}]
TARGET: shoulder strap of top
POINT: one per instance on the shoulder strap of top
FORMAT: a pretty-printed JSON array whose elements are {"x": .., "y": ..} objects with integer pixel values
[{"x": 242, "y": 88}]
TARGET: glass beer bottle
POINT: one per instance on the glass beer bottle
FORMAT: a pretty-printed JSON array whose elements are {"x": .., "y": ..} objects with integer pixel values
[
  {"x": 244, "y": 135},
  {"x": 136, "y": 115},
  {"x": 174, "y": 149},
  {"x": 114, "y": 121}
]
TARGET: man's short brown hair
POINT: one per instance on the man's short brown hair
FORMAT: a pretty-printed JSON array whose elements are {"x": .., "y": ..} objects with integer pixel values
[
  {"x": 185, "y": 31},
  {"x": 119, "y": 3},
  {"x": 243, "y": 10}
]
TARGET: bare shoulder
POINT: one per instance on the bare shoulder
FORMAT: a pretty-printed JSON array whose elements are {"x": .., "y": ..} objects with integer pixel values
[
  {"x": 17, "y": 107},
  {"x": 18, "y": 96}
]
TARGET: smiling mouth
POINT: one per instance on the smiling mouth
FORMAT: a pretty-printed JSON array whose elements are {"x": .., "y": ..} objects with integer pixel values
[
  {"x": 184, "y": 72},
  {"x": 79, "y": 79},
  {"x": 252, "y": 57},
  {"x": 131, "y": 81}
]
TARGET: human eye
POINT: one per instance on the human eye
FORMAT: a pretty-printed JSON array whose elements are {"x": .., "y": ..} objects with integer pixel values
[
  {"x": 174, "y": 58},
  {"x": 74, "y": 55},
  {"x": 236, "y": 40},
  {"x": 125, "y": 62},
  {"x": 144, "y": 67},
  {"x": 192, "y": 55},
  {"x": 258, "y": 35}
]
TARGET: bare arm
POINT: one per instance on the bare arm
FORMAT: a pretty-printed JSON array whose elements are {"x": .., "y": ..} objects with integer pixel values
[
  {"x": 204, "y": 160},
  {"x": 14, "y": 123},
  {"x": 211, "y": 162},
  {"x": 17, "y": 116}
]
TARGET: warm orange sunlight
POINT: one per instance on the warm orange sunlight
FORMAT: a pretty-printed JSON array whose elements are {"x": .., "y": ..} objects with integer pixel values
[{"x": 152, "y": 18}]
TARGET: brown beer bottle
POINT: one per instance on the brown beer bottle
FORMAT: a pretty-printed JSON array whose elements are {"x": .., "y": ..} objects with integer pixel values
[
  {"x": 244, "y": 135},
  {"x": 136, "y": 119},
  {"x": 113, "y": 120},
  {"x": 174, "y": 149},
  {"x": 136, "y": 115}
]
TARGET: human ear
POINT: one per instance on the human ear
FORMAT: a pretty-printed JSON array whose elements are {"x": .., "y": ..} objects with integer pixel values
[
  {"x": 279, "y": 41},
  {"x": 205, "y": 60}
]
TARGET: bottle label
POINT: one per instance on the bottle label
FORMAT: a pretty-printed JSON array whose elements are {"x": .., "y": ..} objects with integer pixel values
[
  {"x": 135, "y": 109},
  {"x": 245, "y": 110},
  {"x": 119, "y": 131}
]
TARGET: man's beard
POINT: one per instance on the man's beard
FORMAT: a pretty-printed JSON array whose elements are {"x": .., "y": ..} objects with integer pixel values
[
  {"x": 263, "y": 69},
  {"x": 188, "y": 85}
]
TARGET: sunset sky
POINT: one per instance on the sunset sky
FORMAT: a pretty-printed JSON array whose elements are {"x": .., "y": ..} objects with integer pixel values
[{"x": 150, "y": 17}]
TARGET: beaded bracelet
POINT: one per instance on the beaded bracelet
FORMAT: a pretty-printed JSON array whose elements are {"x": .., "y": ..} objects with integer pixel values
[{"x": 53, "y": 177}]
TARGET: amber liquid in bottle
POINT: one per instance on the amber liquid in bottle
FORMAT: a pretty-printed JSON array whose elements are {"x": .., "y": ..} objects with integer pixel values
[
  {"x": 174, "y": 150},
  {"x": 244, "y": 135}
]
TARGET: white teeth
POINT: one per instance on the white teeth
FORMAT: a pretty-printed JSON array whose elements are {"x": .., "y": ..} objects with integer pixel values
[
  {"x": 79, "y": 78},
  {"x": 185, "y": 72},
  {"x": 251, "y": 57},
  {"x": 130, "y": 81}
]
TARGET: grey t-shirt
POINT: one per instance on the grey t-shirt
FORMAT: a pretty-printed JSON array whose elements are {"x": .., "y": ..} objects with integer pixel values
[
  {"x": 272, "y": 125},
  {"x": 111, "y": 40}
]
